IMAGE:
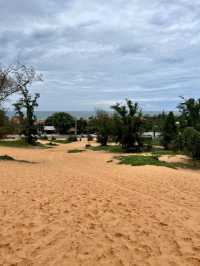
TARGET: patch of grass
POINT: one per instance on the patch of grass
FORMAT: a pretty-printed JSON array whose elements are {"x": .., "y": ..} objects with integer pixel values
[
  {"x": 6, "y": 158},
  {"x": 141, "y": 160},
  {"x": 52, "y": 144},
  {"x": 20, "y": 144},
  {"x": 62, "y": 141},
  {"x": 108, "y": 148},
  {"x": 193, "y": 165},
  {"x": 75, "y": 151},
  {"x": 161, "y": 152},
  {"x": 9, "y": 158}
]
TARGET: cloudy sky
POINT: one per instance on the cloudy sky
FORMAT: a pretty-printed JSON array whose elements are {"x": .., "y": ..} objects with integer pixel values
[{"x": 93, "y": 53}]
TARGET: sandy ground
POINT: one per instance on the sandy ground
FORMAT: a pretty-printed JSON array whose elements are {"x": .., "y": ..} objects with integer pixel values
[{"x": 78, "y": 209}]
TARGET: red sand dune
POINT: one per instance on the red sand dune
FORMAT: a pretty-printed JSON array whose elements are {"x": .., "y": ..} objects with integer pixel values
[{"x": 77, "y": 209}]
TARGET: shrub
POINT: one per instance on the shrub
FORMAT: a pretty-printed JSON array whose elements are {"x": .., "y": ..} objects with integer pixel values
[
  {"x": 50, "y": 143},
  {"x": 72, "y": 138},
  {"x": 179, "y": 142},
  {"x": 102, "y": 139},
  {"x": 6, "y": 158},
  {"x": 44, "y": 137},
  {"x": 128, "y": 125},
  {"x": 148, "y": 144},
  {"x": 169, "y": 131},
  {"x": 75, "y": 151},
  {"x": 61, "y": 121},
  {"x": 191, "y": 139}
]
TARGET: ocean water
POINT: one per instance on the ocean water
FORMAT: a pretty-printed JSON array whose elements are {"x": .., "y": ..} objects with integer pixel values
[{"x": 42, "y": 115}]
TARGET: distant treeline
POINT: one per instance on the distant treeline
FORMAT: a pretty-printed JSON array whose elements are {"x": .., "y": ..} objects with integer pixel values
[{"x": 125, "y": 125}]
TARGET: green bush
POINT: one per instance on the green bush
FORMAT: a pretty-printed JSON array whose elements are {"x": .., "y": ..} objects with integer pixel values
[
  {"x": 43, "y": 137},
  {"x": 6, "y": 158},
  {"x": 169, "y": 132},
  {"x": 75, "y": 151},
  {"x": 191, "y": 140},
  {"x": 179, "y": 142},
  {"x": 141, "y": 160},
  {"x": 72, "y": 138},
  {"x": 148, "y": 144},
  {"x": 102, "y": 139}
]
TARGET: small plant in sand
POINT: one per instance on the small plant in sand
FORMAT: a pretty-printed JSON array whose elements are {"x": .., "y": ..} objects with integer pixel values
[
  {"x": 6, "y": 158},
  {"x": 75, "y": 151}
]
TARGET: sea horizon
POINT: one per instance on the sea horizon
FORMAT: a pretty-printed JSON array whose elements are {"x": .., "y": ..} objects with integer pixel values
[{"x": 76, "y": 114}]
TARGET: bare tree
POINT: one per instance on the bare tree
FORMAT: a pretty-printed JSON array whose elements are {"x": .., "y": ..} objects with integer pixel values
[
  {"x": 24, "y": 77},
  {"x": 15, "y": 78},
  {"x": 7, "y": 82}
]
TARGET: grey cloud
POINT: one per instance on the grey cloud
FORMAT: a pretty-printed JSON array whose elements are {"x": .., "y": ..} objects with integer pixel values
[{"x": 94, "y": 53}]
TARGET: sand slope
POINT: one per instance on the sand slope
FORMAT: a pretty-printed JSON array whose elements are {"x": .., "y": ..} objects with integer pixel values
[{"x": 77, "y": 209}]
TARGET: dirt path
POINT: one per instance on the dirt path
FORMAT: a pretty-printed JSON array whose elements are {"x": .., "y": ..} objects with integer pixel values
[{"x": 77, "y": 209}]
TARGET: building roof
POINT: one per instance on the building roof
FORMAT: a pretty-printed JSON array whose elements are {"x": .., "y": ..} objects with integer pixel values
[{"x": 49, "y": 128}]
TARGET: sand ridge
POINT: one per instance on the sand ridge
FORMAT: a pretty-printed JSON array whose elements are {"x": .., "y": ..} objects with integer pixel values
[{"x": 78, "y": 209}]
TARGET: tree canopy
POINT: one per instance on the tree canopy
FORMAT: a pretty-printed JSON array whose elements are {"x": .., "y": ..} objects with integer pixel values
[
  {"x": 130, "y": 120},
  {"x": 62, "y": 121}
]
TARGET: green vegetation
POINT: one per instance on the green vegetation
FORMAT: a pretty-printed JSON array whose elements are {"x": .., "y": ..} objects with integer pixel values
[
  {"x": 161, "y": 152},
  {"x": 75, "y": 151},
  {"x": 6, "y": 158},
  {"x": 108, "y": 148},
  {"x": 21, "y": 144},
  {"x": 141, "y": 160},
  {"x": 9, "y": 158},
  {"x": 61, "y": 121},
  {"x": 119, "y": 149},
  {"x": 62, "y": 141},
  {"x": 129, "y": 120},
  {"x": 191, "y": 140},
  {"x": 50, "y": 143},
  {"x": 102, "y": 123},
  {"x": 5, "y": 125},
  {"x": 169, "y": 131},
  {"x": 82, "y": 126},
  {"x": 189, "y": 128},
  {"x": 190, "y": 113},
  {"x": 125, "y": 126},
  {"x": 25, "y": 106}
]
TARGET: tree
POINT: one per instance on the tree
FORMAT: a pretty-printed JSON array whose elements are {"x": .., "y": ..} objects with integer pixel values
[
  {"x": 5, "y": 125},
  {"x": 82, "y": 125},
  {"x": 102, "y": 122},
  {"x": 25, "y": 107},
  {"x": 154, "y": 122},
  {"x": 8, "y": 85},
  {"x": 130, "y": 121},
  {"x": 61, "y": 121},
  {"x": 191, "y": 139},
  {"x": 169, "y": 131},
  {"x": 27, "y": 117},
  {"x": 190, "y": 113}
]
